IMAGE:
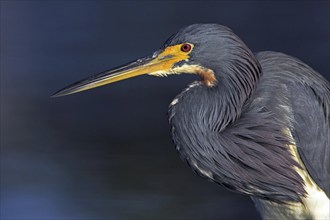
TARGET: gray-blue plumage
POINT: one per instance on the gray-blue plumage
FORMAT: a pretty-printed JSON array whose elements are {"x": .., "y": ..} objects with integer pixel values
[
  {"x": 234, "y": 133},
  {"x": 258, "y": 124},
  {"x": 307, "y": 94}
]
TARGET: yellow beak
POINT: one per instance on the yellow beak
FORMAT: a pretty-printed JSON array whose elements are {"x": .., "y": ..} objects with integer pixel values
[{"x": 156, "y": 65}]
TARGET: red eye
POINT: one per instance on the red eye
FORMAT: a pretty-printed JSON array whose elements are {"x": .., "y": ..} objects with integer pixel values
[{"x": 186, "y": 48}]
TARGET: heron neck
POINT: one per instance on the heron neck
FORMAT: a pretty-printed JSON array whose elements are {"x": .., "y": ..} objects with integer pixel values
[
  {"x": 199, "y": 114},
  {"x": 212, "y": 108}
]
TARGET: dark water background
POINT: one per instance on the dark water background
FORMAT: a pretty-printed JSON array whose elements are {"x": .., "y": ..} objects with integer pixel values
[{"x": 107, "y": 153}]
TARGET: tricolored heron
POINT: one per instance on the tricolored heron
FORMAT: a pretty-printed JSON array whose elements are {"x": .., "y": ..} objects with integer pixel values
[{"x": 256, "y": 123}]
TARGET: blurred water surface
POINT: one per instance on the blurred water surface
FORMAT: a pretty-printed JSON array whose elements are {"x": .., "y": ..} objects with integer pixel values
[{"x": 107, "y": 153}]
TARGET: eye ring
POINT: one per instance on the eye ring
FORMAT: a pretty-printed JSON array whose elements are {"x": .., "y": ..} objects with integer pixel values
[{"x": 186, "y": 48}]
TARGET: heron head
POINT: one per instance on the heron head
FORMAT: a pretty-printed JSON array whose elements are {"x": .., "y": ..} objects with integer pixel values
[{"x": 210, "y": 51}]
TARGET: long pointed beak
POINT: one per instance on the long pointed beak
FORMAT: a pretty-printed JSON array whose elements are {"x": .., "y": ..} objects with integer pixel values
[
  {"x": 160, "y": 64},
  {"x": 147, "y": 65}
]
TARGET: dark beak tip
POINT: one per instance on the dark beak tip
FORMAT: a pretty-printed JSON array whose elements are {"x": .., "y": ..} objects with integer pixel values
[
  {"x": 55, "y": 95},
  {"x": 58, "y": 94}
]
